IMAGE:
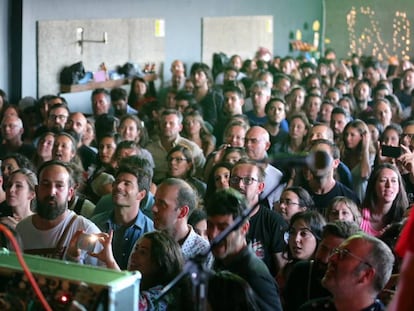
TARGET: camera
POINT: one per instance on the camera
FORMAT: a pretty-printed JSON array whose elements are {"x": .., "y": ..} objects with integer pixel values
[{"x": 87, "y": 242}]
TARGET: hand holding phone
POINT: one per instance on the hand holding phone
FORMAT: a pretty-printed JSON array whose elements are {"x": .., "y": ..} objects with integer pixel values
[{"x": 390, "y": 151}]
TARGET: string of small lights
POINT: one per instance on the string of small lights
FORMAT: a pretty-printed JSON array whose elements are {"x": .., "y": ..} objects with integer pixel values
[{"x": 365, "y": 34}]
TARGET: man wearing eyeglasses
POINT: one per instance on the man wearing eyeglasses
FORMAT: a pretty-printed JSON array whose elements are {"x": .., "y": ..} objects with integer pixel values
[
  {"x": 266, "y": 226},
  {"x": 304, "y": 282},
  {"x": 357, "y": 272}
]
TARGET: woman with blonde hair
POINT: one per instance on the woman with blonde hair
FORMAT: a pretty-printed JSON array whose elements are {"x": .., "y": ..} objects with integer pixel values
[
  {"x": 343, "y": 209},
  {"x": 195, "y": 129},
  {"x": 20, "y": 195}
]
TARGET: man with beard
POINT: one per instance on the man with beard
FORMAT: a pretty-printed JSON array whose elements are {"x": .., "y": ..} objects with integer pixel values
[
  {"x": 362, "y": 95},
  {"x": 54, "y": 227},
  {"x": 304, "y": 282},
  {"x": 276, "y": 125},
  {"x": 77, "y": 123},
  {"x": 210, "y": 101}
]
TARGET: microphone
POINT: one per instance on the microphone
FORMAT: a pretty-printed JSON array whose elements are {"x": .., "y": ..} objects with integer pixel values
[{"x": 316, "y": 160}]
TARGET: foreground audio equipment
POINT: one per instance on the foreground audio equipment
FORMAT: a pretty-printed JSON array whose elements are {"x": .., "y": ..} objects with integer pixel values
[{"x": 66, "y": 285}]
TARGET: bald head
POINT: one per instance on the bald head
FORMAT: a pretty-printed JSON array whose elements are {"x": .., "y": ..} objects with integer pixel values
[{"x": 257, "y": 142}]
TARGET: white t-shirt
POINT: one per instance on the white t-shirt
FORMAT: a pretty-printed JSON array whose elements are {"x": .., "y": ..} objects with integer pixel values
[{"x": 34, "y": 240}]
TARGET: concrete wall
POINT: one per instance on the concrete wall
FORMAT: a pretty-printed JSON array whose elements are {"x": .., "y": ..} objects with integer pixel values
[{"x": 182, "y": 19}]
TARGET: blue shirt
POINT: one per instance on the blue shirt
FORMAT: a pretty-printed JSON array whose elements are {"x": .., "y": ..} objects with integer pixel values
[{"x": 124, "y": 238}]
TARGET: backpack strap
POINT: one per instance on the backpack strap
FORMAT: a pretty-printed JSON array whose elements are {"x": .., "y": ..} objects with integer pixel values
[{"x": 78, "y": 206}]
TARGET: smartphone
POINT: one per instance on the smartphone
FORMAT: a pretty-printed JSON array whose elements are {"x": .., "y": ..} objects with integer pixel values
[
  {"x": 390, "y": 151},
  {"x": 87, "y": 242}
]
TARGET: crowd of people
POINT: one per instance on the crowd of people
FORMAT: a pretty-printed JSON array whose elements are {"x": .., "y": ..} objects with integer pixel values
[{"x": 158, "y": 176}]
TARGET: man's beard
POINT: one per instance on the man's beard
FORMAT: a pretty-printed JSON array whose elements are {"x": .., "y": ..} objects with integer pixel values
[{"x": 50, "y": 211}]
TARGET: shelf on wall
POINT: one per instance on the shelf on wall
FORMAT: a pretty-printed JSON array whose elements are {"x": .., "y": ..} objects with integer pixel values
[{"x": 109, "y": 84}]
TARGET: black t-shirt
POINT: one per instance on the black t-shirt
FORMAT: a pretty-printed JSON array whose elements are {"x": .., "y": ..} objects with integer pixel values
[
  {"x": 246, "y": 265},
  {"x": 266, "y": 235},
  {"x": 322, "y": 201},
  {"x": 303, "y": 284}
]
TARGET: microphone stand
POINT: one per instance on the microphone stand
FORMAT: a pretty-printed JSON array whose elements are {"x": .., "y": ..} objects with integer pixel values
[{"x": 196, "y": 267}]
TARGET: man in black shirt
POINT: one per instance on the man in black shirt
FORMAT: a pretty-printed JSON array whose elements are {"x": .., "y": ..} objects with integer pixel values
[
  {"x": 233, "y": 254},
  {"x": 321, "y": 184},
  {"x": 266, "y": 226}
]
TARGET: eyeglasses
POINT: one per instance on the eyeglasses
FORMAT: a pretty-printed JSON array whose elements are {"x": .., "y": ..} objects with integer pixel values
[
  {"x": 60, "y": 117},
  {"x": 402, "y": 136},
  {"x": 287, "y": 202},
  {"x": 234, "y": 180},
  {"x": 343, "y": 252},
  {"x": 178, "y": 160}
]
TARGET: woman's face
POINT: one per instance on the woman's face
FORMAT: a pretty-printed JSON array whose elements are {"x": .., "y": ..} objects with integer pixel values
[
  {"x": 221, "y": 178},
  {"x": 201, "y": 229},
  {"x": 8, "y": 166},
  {"x": 45, "y": 146},
  {"x": 387, "y": 186},
  {"x": 302, "y": 242},
  {"x": 341, "y": 212},
  {"x": 288, "y": 205},
  {"x": 235, "y": 136},
  {"x": 374, "y": 132},
  {"x": 129, "y": 130},
  {"x": 140, "y": 88},
  {"x": 192, "y": 125},
  {"x": 178, "y": 165},
  {"x": 297, "y": 129},
  {"x": 89, "y": 135},
  {"x": 391, "y": 138},
  {"x": 352, "y": 137},
  {"x": 106, "y": 149},
  {"x": 140, "y": 259},
  {"x": 18, "y": 193},
  {"x": 232, "y": 157}
]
